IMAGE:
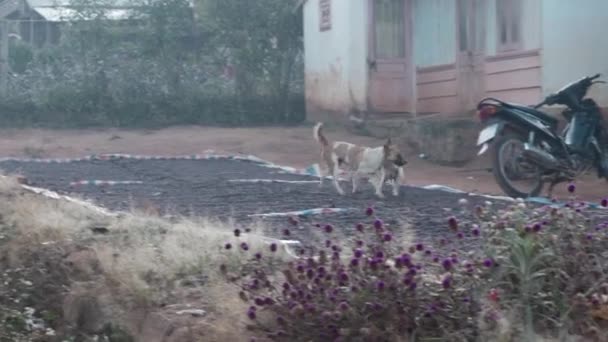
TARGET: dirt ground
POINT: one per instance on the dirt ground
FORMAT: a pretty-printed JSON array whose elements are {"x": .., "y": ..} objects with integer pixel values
[{"x": 292, "y": 146}]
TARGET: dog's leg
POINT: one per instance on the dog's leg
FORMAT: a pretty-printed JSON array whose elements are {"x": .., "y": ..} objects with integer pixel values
[
  {"x": 395, "y": 187},
  {"x": 397, "y": 182},
  {"x": 380, "y": 183},
  {"x": 321, "y": 175},
  {"x": 335, "y": 172},
  {"x": 355, "y": 179}
]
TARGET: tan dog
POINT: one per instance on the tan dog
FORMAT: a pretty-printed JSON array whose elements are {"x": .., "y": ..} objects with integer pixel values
[{"x": 380, "y": 163}]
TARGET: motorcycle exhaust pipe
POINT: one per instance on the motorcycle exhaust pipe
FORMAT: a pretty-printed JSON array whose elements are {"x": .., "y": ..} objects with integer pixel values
[{"x": 540, "y": 157}]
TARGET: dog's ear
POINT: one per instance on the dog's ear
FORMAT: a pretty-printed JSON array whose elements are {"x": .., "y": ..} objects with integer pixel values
[{"x": 387, "y": 149}]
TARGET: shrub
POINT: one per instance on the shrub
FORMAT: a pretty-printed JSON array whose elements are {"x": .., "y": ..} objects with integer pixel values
[
  {"x": 162, "y": 67},
  {"x": 533, "y": 271}
]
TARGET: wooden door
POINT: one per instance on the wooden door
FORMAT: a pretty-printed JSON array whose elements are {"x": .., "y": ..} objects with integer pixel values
[
  {"x": 470, "y": 61},
  {"x": 390, "y": 56}
]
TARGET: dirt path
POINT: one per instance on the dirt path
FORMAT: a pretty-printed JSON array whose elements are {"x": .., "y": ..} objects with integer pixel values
[{"x": 287, "y": 146}]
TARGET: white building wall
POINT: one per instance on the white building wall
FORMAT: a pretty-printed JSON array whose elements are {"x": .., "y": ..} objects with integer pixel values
[
  {"x": 575, "y": 44},
  {"x": 336, "y": 60}
]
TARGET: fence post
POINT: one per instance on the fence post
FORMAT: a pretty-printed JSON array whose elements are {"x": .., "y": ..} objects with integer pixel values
[{"x": 3, "y": 57}]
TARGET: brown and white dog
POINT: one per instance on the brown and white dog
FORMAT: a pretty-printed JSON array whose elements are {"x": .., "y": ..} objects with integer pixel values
[{"x": 380, "y": 164}]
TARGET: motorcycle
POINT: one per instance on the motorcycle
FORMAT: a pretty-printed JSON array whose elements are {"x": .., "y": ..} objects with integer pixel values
[{"x": 529, "y": 148}]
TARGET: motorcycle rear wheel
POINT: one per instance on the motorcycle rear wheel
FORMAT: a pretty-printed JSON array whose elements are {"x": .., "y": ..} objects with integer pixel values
[{"x": 505, "y": 167}]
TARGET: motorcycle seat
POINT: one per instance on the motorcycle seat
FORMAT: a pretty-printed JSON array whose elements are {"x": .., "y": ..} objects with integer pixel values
[{"x": 553, "y": 122}]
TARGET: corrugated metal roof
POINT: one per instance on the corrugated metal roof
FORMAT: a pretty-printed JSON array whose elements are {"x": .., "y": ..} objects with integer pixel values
[
  {"x": 59, "y": 14},
  {"x": 72, "y": 3}
]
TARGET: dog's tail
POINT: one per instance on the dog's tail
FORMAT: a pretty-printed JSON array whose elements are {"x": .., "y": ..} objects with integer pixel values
[{"x": 318, "y": 134}]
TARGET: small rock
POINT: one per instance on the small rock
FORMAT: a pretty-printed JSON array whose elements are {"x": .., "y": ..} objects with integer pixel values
[
  {"x": 192, "y": 312},
  {"x": 26, "y": 282},
  {"x": 99, "y": 230}
]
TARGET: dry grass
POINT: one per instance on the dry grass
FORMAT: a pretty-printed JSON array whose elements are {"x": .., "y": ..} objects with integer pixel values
[{"x": 139, "y": 259}]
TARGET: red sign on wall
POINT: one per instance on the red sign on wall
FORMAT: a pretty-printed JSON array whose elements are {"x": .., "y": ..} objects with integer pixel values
[{"x": 324, "y": 15}]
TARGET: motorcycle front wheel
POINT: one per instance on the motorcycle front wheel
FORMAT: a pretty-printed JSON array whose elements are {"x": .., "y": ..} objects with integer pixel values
[{"x": 515, "y": 176}]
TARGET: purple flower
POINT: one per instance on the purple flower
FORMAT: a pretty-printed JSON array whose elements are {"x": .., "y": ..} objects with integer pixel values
[
  {"x": 328, "y": 228},
  {"x": 237, "y": 232},
  {"x": 419, "y": 247},
  {"x": 354, "y": 262},
  {"x": 259, "y": 301},
  {"x": 300, "y": 268},
  {"x": 369, "y": 211},
  {"x": 327, "y": 243},
  {"x": 413, "y": 286},
  {"x": 453, "y": 223},
  {"x": 380, "y": 285},
  {"x": 589, "y": 237},
  {"x": 428, "y": 252},
  {"x": 443, "y": 242},
  {"x": 268, "y": 301},
  {"x": 273, "y": 247},
  {"x": 378, "y": 224},
  {"x": 244, "y": 246},
  {"x": 436, "y": 259},
  {"x": 359, "y": 243},
  {"x": 343, "y": 277},
  {"x": 343, "y": 306},
  {"x": 447, "y": 264},
  {"x": 460, "y": 235},
  {"x": 604, "y": 202},
  {"x": 446, "y": 282},
  {"x": 281, "y": 320},
  {"x": 258, "y": 256},
  {"x": 412, "y": 272},
  {"x": 251, "y": 314},
  {"x": 571, "y": 188},
  {"x": 387, "y": 237},
  {"x": 380, "y": 255},
  {"x": 321, "y": 270},
  {"x": 286, "y": 232},
  {"x": 227, "y": 246},
  {"x": 488, "y": 263},
  {"x": 360, "y": 227},
  {"x": 310, "y": 274},
  {"x": 358, "y": 253},
  {"x": 475, "y": 231},
  {"x": 537, "y": 227}
]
